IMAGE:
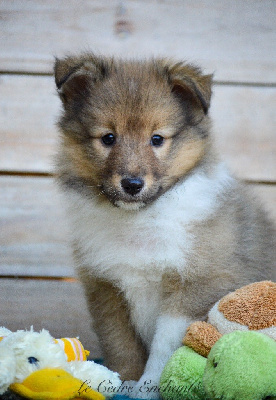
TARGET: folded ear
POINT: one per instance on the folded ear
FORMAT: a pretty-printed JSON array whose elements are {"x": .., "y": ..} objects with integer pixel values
[
  {"x": 189, "y": 84},
  {"x": 74, "y": 76}
]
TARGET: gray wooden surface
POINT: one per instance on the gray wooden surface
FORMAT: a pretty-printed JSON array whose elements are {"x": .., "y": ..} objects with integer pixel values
[
  {"x": 235, "y": 40},
  {"x": 244, "y": 122},
  {"x": 55, "y": 305}
]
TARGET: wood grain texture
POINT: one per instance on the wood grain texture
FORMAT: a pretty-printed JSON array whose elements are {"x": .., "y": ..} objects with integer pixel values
[
  {"x": 34, "y": 238},
  {"x": 244, "y": 126},
  {"x": 235, "y": 39},
  {"x": 28, "y": 110},
  {"x": 33, "y": 232},
  {"x": 57, "y": 306},
  {"x": 244, "y": 129}
]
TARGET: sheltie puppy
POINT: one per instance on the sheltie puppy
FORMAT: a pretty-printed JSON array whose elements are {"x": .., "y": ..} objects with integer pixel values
[{"x": 160, "y": 229}]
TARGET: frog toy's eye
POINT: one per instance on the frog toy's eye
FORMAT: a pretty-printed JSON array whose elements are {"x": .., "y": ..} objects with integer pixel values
[
  {"x": 32, "y": 360},
  {"x": 215, "y": 363}
]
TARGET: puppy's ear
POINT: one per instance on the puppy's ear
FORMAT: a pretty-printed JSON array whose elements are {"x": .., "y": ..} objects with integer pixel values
[
  {"x": 190, "y": 85},
  {"x": 74, "y": 76}
]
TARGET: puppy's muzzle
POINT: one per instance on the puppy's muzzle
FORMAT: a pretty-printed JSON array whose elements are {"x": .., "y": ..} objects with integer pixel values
[{"x": 132, "y": 186}]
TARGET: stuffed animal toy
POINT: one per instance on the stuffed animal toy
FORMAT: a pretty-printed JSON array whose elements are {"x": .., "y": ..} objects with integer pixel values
[
  {"x": 181, "y": 378},
  {"x": 36, "y": 366},
  {"x": 251, "y": 308},
  {"x": 241, "y": 366}
]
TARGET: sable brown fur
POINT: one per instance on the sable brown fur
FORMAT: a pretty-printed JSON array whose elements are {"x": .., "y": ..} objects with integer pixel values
[
  {"x": 216, "y": 271},
  {"x": 119, "y": 342},
  {"x": 95, "y": 89},
  {"x": 206, "y": 232}
]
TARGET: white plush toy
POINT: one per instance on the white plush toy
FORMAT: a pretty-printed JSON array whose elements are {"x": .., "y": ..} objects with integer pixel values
[{"x": 37, "y": 366}]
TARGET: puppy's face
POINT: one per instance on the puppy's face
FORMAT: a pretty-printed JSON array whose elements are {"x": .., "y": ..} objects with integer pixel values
[{"x": 131, "y": 130}]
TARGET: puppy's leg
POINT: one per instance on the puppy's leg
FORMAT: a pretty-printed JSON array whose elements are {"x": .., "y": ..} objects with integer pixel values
[
  {"x": 168, "y": 337},
  {"x": 123, "y": 351},
  {"x": 170, "y": 329},
  {"x": 182, "y": 303}
]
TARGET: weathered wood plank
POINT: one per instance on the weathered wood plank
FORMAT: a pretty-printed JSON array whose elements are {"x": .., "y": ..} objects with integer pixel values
[
  {"x": 33, "y": 234},
  {"x": 236, "y": 39},
  {"x": 28, "y": 106},
  {"x": 244, "y": 126},
  {"x": 57, "y": 306}
]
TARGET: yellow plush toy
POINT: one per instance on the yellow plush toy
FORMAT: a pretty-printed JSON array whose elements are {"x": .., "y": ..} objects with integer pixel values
[
  {"x": 73, "y": 349},
  {"x": 34, "y": 365}
]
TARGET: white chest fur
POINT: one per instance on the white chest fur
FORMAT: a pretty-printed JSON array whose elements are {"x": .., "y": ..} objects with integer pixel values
[
  {"x": 143, "y": 291},
  {"x": 133, "y": 248}
]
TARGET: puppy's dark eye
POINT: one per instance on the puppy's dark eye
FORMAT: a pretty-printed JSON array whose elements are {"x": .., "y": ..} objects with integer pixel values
[
  {"x": 32, "y": 360},
  {"x": 109, "y": 139},
  {"x": 157, "y": 140}
]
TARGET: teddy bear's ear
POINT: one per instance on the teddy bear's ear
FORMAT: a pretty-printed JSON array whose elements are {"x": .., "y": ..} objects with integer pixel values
[
  {"x": 190, "y": 85},
  {"x": 75, "y": 76},
  {"x": 201, "y": 337}
]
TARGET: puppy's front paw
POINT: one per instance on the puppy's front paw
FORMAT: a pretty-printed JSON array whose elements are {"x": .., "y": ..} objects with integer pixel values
[{"x": 146, "y": 388}]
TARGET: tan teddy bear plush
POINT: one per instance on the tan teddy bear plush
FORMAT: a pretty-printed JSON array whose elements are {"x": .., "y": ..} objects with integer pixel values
[{"x": 253, "y": 307}]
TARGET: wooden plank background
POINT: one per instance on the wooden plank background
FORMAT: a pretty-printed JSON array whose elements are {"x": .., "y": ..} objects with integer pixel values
[
  {"x": 244, "y": 121},
  {"x": 235, "y": 40},
  {"x": 57, "y": 305}
]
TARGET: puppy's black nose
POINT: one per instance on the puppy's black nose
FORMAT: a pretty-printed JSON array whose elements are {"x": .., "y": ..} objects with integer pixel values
[{"x": 132, "y": 186}]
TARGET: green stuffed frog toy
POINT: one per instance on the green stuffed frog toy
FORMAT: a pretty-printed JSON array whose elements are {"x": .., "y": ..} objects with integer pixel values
[
  {"x": 233, "y": 357},
  {"x": 240, "y": 366}
]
